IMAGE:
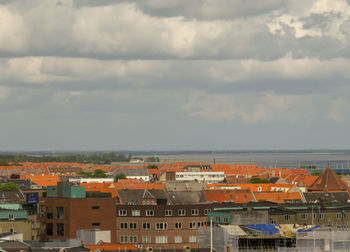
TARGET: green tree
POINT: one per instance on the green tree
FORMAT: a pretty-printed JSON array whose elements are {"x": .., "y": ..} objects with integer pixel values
[
  {"x": 152, "y": 166},
  {"x": 258, "y": 180},
  {"x": 9, "y": 186},
  {"x": 4, "y": 163},
  {"x": 308, "y": 167},
  {"x": 99, "y": 174},
  {"x": 316, "y": 173},
  {"x": 120, "y": 176}
]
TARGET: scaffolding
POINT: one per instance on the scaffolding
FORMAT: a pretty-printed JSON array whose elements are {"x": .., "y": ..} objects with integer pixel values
[
  {"x": 242, "y": 238},
  {"x": 326, "y": 240}
]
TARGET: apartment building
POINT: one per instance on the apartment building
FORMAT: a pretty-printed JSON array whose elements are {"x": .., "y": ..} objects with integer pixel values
[{"x": 160, "y": 226}]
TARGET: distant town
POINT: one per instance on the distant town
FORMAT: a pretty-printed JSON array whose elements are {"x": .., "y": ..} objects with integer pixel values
[{"x": 121, "y": 202}]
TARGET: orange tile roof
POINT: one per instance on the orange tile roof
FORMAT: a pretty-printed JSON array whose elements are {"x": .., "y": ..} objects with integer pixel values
[
  {"x": 266, "y": 187},
  {"x": 278, "y": 197},
  {"x": 237, "y": 196},
  {"x": 328, "y": 181},
  {"x": 101, "y": 187},
  {"x": 42, "y": 179},
  {"x": 111, "y": 246}
]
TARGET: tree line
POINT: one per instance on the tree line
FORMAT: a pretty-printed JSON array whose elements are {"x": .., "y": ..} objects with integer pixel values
[{"x": 95, "y": 158}]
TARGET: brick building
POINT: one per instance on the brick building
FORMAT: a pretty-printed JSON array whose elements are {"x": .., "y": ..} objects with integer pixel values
[
  {"x": 160, "y": 226},
  {"x": 66, "y": 209}
]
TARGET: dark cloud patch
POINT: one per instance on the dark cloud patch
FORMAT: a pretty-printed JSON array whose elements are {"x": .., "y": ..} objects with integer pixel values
[
  {"x": 209, "y": 10},
  {"x": 281, "y": 86},
  {"x": 93, "y": 3},
  {"x": 317, "y": 20}
]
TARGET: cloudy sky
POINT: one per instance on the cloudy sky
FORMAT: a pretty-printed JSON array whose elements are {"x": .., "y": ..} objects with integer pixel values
[{"x": 174, "y": 75}]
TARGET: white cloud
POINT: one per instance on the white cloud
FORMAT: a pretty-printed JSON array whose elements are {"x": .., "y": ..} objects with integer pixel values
[
  {"x": 123, "y": 30},
  {"x": 12, "y": 31},
  {"x": 216, "y": 62}
]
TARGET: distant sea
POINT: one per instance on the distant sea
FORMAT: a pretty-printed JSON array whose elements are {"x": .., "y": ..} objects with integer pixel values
[
  {"x": 294, "y": 160},
  {"x": 336, "y": 159}
]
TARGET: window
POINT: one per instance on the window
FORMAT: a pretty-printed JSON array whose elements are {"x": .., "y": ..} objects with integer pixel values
[
  {"x": 11, "y": 217},
  {"x": 123, "y": 239},
  {"x": 146, "y": 226},
  {"x": 225, "y": 220},
  {"x": 192, "y": 225},
  {"x": 59, "y": 213},
  {"x": 149, "y": 212},
  {"x": 321, "y": 215},
  {"x": 161, "y": 239},
  {"x": 182, "y": 212},
  {"x": 178, "y": 239},
  {"x": 161, "y": 226},
  {"x": 133, "y": 225},
  {"x": 43, "y": 211},
  {"x": 123, "y": 225},
  {"x": 59, "y": 229},
  {"x": 304, "y": 216},
  {"x": 168, "y": 212},
  {"x": 49, "y": 215},
  {"x": 95, "y": 224},
  {"x": 330, "y": 222},
  {"x": 146, "y": 239},
  {"x": 135, "y": 213},
  {"x": 12, "y": 230},
  {"x": 132, "y": 239},
  {"x": 193, "y": 238},
  {"x": 49, "y": 229},
  {"x": 287, "y": 217},
  {"x": 273, "y": 222},
  {"x": 95, "y": 207},
  {"x": 259, "y": 188},
  {"x": 339, "y": 215},
  {"x": 206, "y": 211},
  {"x": 122, "y": 212},
  {"x": 195, "y": 212},
  {"x": 178, "y": 225}
]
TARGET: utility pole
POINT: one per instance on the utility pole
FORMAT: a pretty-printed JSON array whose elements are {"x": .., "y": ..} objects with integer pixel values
[{"x": 211, "y": 234}]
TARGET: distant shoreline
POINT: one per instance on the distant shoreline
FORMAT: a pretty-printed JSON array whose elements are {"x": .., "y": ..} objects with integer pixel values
[{"x": 183, "y": 152}]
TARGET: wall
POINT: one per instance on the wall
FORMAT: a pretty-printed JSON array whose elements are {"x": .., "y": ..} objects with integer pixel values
[
  {"x": 21, "y": 226},
  {"x": 79, "y": 214}
]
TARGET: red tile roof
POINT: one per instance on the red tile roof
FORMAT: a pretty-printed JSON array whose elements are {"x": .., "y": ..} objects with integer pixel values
[
  {"x": 328, "y": 181},
  {"x": 237, "y": 196},
  {"x": 111, "y": 246},
  {"x": 278, "y": 197}
]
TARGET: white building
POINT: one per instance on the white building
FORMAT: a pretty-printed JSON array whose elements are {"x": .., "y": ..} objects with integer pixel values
[
  {"x": 91, "y": 180},
  {"x": 134, "y": 173},
  {"x": 208, "y": 177}
]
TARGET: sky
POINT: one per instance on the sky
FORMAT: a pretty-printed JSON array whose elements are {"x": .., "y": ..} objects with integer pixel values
[{"x": 174, "y": 75}]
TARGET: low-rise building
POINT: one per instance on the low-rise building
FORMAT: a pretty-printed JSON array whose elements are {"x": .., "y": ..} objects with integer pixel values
[
  {"x": 15, "y": 220},
  {"x": 210, "y": 177},
  {"x": 67, "y": 208}
]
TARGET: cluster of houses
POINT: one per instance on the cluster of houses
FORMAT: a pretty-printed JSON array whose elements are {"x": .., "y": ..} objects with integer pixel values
[{"x": 167, "y": 207}]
